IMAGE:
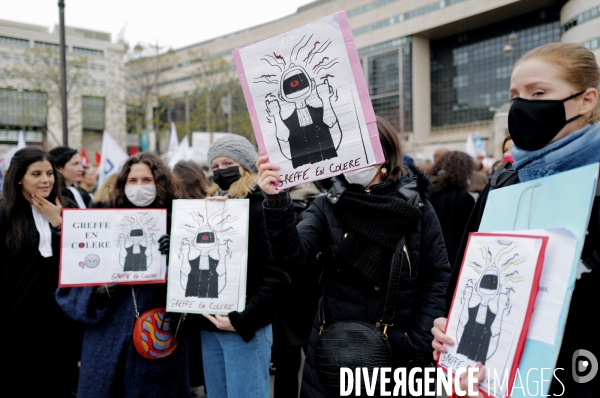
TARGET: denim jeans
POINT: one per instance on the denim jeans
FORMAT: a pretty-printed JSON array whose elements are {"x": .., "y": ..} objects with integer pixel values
[{"x": 234, "y": 368}]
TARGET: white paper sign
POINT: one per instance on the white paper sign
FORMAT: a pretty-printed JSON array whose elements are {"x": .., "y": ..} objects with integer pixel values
[
  {"x": 104, "y": 246},
  {"x": 492, "y": 305},
  {"x": 208, "y": 256},
  {"x": 308, "y": 102}
]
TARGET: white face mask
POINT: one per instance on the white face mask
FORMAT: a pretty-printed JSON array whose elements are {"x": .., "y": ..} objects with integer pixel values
[
  {"x": 363, "y": 176},
  {"x": 140, "y": 195}
]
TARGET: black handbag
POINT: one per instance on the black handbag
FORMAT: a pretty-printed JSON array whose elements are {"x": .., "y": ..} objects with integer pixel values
[{"x": 355, "y": 344}]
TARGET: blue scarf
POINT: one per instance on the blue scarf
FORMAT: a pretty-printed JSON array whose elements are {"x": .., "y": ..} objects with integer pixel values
[{"x": 578, "y": 149}]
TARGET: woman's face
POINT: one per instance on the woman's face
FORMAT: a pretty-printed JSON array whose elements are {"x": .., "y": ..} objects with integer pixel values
[
  {"x": 507, "y": 147},
  {"x": 223, "y": 162},
  {"x": 91, "y": 176},
  {"x": 38, "y": 180},
  {"x": 541, "y": 80},
  {"x": 73, "y": 170},
  {"x": 140, "y": 174}
]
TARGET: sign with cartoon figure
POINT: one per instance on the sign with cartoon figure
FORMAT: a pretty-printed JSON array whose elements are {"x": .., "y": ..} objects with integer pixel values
[
  {"x": 104, "y": 246},
  {"x": 308, "y": 101},
  {"x": 492, "y": 306},
  {"x": 208, "y": 256}
]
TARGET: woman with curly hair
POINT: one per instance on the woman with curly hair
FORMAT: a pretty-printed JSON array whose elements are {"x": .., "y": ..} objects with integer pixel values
[
  {"x": 450, "y": 199},
  {"x": 110, "y": 365}
]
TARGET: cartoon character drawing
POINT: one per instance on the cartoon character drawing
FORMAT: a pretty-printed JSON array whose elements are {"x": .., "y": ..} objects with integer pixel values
[
  {"x": 91, "y": 261},
  {"x": 136, "y": 241},
  {"x": 204, "y": 275},
  {"x": 478, "y": 336},
  {"x": 311, "y": 132}
]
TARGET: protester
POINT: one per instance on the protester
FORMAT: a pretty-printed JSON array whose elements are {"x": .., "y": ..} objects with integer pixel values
[
  {"x": 507, "y": 145},
  {"x": 102, "y": 195},
  {"x": 192, "y": 182},
  {"x": 450, "y": 199},
  {"x": 236, "y": 348},
  {"x": 89, "y": 180},
  {"x": 554, "y": 123},
  {"x": 110, "y": 364},
  {"x": 358, "y": 229},
  {"x": 39, "y": 340},
  {"x": 438, "y": 155},
  {"x": 68, "y": 165}
]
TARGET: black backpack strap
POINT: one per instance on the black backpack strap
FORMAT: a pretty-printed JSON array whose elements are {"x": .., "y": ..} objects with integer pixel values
[{"x": 503, "y": 173}]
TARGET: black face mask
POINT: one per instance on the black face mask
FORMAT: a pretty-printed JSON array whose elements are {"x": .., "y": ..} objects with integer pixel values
[
  {"x": 225, "y": 177},
  {"x": 532, "y": 124}
]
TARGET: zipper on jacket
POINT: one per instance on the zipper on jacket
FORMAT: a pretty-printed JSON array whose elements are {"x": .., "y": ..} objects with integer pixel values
[{"x": 408, "y": 259}]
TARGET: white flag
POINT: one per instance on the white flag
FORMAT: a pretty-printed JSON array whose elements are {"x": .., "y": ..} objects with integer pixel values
[
  {"x": 470, "y": 148},
  {"x": 184, "y": 152},
  {"x": 479, "y": 148},
  {"x": 112, "y": 158},
  {"x": 5, "y": 160}
]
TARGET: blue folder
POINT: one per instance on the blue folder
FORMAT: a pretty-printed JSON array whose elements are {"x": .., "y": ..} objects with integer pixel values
[{"x": 560, "y": 201}]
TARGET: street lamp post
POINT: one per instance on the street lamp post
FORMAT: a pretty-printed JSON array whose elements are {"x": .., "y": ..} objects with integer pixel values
[
  {"x": 509, "y": 49},
  {"x": 63, "y": 73}
]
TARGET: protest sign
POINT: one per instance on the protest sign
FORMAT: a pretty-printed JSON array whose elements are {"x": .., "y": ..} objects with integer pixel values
[
  {"x": 208, "y": 256},
  {"x": 106, "y": 246},
  {"x": 308, "y": 101}
]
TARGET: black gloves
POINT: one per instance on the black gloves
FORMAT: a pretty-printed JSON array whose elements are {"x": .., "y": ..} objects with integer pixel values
[{"x": 163, "y": 244}]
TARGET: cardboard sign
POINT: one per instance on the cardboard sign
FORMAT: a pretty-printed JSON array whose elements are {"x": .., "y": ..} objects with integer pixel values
[
  {"x": 308, "y": 101},
  {"x": 493, "y": 301},
  {"x": 208, "y": 256},
  {"x": 105, "y": 246}
]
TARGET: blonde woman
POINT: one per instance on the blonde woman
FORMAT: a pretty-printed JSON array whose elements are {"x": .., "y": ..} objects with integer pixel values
[
  {"x": 236, "y": 348},
  {"x": 554, "y": 124}
]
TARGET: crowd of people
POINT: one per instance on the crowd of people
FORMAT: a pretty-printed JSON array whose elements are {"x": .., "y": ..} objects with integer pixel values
[{"x": 338, "y": 250}]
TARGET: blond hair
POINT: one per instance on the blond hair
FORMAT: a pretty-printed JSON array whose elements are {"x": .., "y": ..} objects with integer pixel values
[
  {"x": 579, "y": 64},
  {"x": 239, "y": 189},
  {"x": 102, "y": 195}
]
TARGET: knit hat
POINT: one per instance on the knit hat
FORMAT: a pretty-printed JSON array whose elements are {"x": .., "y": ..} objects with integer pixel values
[{"x": 234, "y": 147}]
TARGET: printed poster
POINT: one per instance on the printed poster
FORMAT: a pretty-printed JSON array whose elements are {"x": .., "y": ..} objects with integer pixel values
[
  {"x": 107, "y": 246},
  {"x": 208, "y": 256},
  {"x": 308, "y": 101},
  {"x": 492, "y": 306}
]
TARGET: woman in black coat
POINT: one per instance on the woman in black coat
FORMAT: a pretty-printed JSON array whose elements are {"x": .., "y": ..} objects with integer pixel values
[
  {"x": 39, "y": 341},
  {"x": 355, "y": 229},
  {"x": 69, "y": 167},
  {"x": 450, "y": 199}
]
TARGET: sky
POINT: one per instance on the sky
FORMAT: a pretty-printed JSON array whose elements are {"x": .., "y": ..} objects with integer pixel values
[{"x": 174, "y": 23}]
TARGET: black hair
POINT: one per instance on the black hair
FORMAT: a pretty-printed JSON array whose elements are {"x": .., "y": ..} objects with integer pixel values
[
  {"x": 15, "y": 203},
  {"x": 62, "y": 154}
]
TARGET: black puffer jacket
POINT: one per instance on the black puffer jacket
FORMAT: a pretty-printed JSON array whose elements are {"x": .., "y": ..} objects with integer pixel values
[{"x": 422, "y": 282}]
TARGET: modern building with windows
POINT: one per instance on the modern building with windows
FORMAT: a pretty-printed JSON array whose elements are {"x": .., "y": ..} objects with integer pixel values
[
  {"x": 30, "y": 86},
  {"x": 438, "y": 70}
]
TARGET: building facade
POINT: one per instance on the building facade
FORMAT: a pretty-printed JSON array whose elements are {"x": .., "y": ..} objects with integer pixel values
[
  {"x": 30, "y": 86},
  {"x": 439, "y": 70}
]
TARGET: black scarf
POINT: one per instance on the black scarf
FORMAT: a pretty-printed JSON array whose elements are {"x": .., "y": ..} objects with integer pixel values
[{"x": 373, "y": 223}]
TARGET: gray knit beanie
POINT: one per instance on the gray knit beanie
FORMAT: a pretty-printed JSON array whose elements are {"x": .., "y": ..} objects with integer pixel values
[{"x": 234, "y": 147}]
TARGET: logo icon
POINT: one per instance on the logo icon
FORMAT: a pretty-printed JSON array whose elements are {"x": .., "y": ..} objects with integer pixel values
[{"x": 584, "y": 366}]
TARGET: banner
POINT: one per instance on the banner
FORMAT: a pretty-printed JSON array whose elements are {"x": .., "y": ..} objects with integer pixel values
[
  {"x": 208, "y": 256},
  {"x": 105, "y": 246},
  {"x": 308, "y": 101}
]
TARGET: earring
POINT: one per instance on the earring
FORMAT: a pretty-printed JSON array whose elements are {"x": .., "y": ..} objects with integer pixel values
[{"x": 384, "y": 173}]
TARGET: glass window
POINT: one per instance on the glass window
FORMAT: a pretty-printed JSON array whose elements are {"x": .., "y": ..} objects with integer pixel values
[
  {"x": 87, "y": 51},
  {"x": 470, "y": 74},
  {"x": 389, "y": 109},
  {"x": 384, "y": 73},
  {"x": 92, "y": 113},
  {"x": 13, "y": 41},
  {"x": 23, "y": 109}
]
